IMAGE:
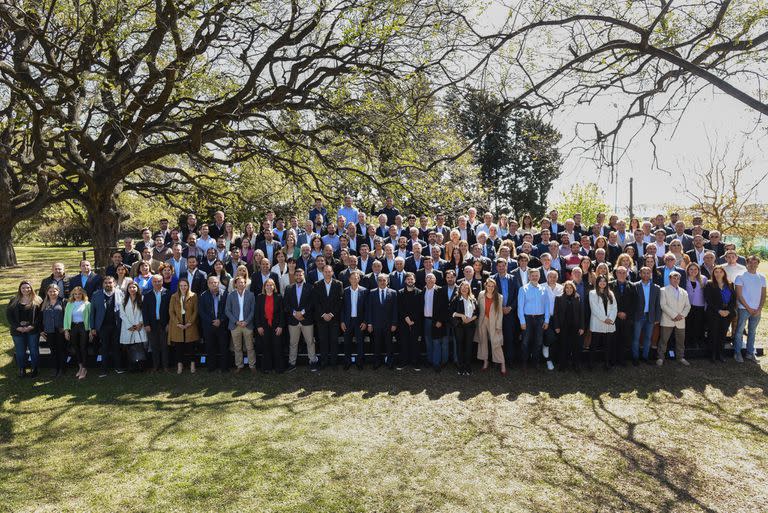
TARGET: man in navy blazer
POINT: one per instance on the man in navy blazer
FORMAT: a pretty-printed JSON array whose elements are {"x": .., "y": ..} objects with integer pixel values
[
  {"x": 156, "y": 320},
  {"x": 106, "y": 324},
  {"x": 353, "y": 319},
  {"x": 262, "y": 275},
  {"x": 381, "y": 318},
  {"x": 661, "y": 277},
  {"x": 269, "y": 246},
  {"x": 647, "y": 313},
  {"x": 328, "y": 302},
  {"x": 211, "y": 310},
  {"x": 299, "y": 305},
  {"x": 87, "y": 279},
  {"x": 505, "y": 285}
]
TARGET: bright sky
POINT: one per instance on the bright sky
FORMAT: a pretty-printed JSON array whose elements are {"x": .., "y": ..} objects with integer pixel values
[{"x": 714, "y": 115}]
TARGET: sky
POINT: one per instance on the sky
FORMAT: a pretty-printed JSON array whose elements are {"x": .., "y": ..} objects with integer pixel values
[{"x": 713, "y": 117}]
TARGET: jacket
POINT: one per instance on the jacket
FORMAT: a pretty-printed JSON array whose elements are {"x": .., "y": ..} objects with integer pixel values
[
  {"x": 599, "y": 314},
  {"x": 131, "y": 315},
  {"x": 673, "y": 304},
  {"x": 176, "y": 334}
]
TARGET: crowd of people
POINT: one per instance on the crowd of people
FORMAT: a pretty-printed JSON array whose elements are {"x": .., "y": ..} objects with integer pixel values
[{"x": 495, "y": 290}]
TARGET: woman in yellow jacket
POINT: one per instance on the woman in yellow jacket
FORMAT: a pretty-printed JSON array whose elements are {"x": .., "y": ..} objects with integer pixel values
[
  {"x": 489, "y": 319},
  {"x": 183, "y": 331}
]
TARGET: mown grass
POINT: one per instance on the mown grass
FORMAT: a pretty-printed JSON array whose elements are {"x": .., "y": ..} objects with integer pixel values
[{"x": 645, "y": 439}]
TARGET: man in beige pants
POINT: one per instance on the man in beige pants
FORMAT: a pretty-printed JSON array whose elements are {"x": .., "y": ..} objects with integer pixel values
[
  {"x": 298, "y": 305},
  {"x": 240, "y": 309}
]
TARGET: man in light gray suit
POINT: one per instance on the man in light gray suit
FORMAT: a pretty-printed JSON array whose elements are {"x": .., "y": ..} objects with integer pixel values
[{"x": 240, "y": 309}]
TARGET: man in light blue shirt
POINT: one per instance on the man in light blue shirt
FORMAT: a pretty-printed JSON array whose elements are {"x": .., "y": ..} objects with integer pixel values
[
  {"x": 348, "y": 211},
  {"x": 647, "y": 313},
  {"x": 332, "y": 238},
  {"x": 533, "y": 313}
]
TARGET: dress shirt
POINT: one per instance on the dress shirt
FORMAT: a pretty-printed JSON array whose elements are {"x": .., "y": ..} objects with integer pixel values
[
  {"x": 532, "y": 300},
  {"x": 429, "y": 296}
]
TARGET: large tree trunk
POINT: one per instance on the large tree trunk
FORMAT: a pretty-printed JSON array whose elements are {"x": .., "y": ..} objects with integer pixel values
[
  {"x": 7, "y": 252},
  {"x": 104, "y": 220}
]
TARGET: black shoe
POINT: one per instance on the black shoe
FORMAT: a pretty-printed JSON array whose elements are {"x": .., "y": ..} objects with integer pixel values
[
  {"x": 376, "y": 366},
  {"x": 437, "y": 368},
  {"x": 721, "y": 358},
  {"x": 33, "y": 374},
  {"x": 635, "y": 363},
  {"x": 22, "y": 373},
  {"x": 347, "y": 366},
  {"x": 391, "y": 366},
  {"x": 648, "y": 361},
  {"x": 360, "y": 366},
  {"x": 290, "y": 368}
]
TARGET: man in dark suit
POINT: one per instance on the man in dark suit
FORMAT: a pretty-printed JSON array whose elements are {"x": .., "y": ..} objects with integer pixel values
[
  {"x": 329, "y": 301},
  {"x": 662, "y": 276},
  {"x": 364, "y": 261},
  {"x": 435, "y": 323},
  {"x": 410, "y": 313},
  {"x": 520, "y": 275},
  {"x": 647, "y": 314},
  {"x": 626, "y": 297},
  {"x": 216, "y": 228},
  {"x": 214, "y": 323},
  {"x": 475, "y": 284},
  {"x": 397, "y": 277},
  {"x": 106, "y": 324},
  {"x": 87, "y": 279},
  {"x": 269, "y": 246},
  {"x": 505, "y": 285},
  {"x": 466, "y": 232},
  {"x": 639, "y": 246},
  {"x": 422, "y": 273},
  {"x": 264, "y": 273},
  {"x": 477, "y": 256},
  {"x": 196, "y": 277},
  {"x": 299, "y": 305},
  {"x": 697, "y": 253},
  {"x": 414, "y": 262},
  {"x": 236, "y": 261},
  {"x": 440, "y": 226},
  {"x": 154, "y": 310},
  {"x": 381, "y": 319},
  {"x": 371, "y": 280},
  {"x": 715, "y": 244},
  {"x": 353, "y": 320}
]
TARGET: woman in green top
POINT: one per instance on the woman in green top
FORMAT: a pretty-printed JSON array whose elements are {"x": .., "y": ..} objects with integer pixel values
[{"x": 77, "y": 327}]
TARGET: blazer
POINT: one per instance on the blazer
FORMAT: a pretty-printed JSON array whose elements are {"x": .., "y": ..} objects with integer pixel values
[
  {"x": 511, "y": 290},
  {"x": 381, "y": 315},
  {"x": 654, "y": 309},
  {"x": 92, "y": 283},
  {"x": 686, "y": 239},
  {"x": 328, "y": 302},
  {"x": 637, "y": 247},
  {"x": 599, "y": 314},
  {"x": 673, "y": 304},
  {"x": 456, "y": 305},
  {"x": 257, "y": 282},
  {"x": 131, "y": 315},
  {"x": 410, "y": 303},
  {"x": 98, "y": 310},
  {"x": 176, "y": 334},
  {"x": 658, "y": 276},
  {"x": 397, "y": 283},
  {"x": 368, "y": 267},
  {"x": 148, "y": 308},
  {"x": 568, "y": 315},
  {"x": 232, "y": 309},
  {"x": 494, "y": 321},
  {"x": 714, "y": 300},
  {"x": 206, "y": 312},
  {"x": 262, "y": 245},
  {"x": 182, "y": 265},
  {"x": 421, "y": 277},
  {"x": 625, "y": 302},
  {"x": 411, "y": 264},
  {"x": 64, "y": 294},
  {"x": 278, "y": 312},
  {"x": 199, "y": 281},
  {"x": 439, "y": 312},
  {"x": 362, "y": 302},
  {"x": 293, "y": 304}
]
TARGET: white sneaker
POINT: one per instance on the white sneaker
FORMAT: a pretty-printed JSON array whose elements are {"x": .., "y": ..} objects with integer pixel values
[
  {"x": 545, "y": 351},
  {"x": 550, "y": 365},
  {"x": 659, "y": 362},
  {"x": 683, "y": 361},
  {"x": 737, "y": 357},
  {"x": 751, "y": 357}
]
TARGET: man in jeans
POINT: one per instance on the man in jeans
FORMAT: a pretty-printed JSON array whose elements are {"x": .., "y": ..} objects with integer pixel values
[
  {"x": 533, "y": 313},
  {"x": 750, "y": 291},
  {"x": 647, "y": 313}
]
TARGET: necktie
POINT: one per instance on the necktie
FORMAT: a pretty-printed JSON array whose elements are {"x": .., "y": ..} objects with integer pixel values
[{"x": 381, "y": 296}]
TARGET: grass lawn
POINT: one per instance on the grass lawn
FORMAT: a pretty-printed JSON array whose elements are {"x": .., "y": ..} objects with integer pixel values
[{"x": 638, "y": 439}]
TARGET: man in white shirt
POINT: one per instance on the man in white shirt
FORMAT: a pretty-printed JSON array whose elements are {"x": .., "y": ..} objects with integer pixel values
[
  {"x": 675, "y": 306},
  {"x": 750, "y": 291},
  {"x": 732, "y": 268}
]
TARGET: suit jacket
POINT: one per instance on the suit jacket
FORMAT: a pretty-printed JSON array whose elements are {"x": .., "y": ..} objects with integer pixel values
[
  {"x": 673, "y": 304},
  {"x": 686, "y": 239},
  {"x": 475, "y": 284},
  {"x": 654, "y": 309},
  {"x": 182, "y": 266},
  {"x": 148, "y": 308},
  {"x": 410, "y": 303},
  {"x": 600, "y": 312},
  {"x": 637, "y": 247},
  {"x": 718, "y": 249},
  {"x": 313, "y": 275},
  {"x": 206, "y": 312},
  {"x": 362, "y": 303},
  {"x": 92, "y": 283},
  {"x": 231, "y": 267},
  {"x": 368, "y": 267},
  {"x": 658, "y": 276},
  {"x": 511, "y": 290},
  {"x": 232, "y": 309},
  {"x": 305, "y": 303},
  {"x": 487, "y": 262},
  {"x": 278, "y": 312},
  {"x": 98, "y": 311},
  {"x": 396, "y": 282},
  {"x": 421, "y": 277},
  {"x": 262, "y": 245},
  {"x": 568, "y": 315},
  {"x": 381, "y": 315},
  {"x": 199, "y": 282},
  {"x": 411, "y": 264},
  {"x": 257, "y": 282},
  {"x": 440, "y": 312},
  {"x": 625, "y": 302},
  {"x": 714, "y": 300},
  {"x": 328, "y": 302}
]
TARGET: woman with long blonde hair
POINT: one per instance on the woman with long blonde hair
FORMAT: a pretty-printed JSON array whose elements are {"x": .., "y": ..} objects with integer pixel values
[
  {"x": 489, "y": 326},
  {"x": 25, "y": 318}
]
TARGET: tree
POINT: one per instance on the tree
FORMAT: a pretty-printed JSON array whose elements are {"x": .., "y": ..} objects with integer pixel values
[
  {"x": 587, "y": 199},
  {"x": 517, "y": 156},
  {"x": 652, "y": 58},
  {"x": 114, "y": 91}
]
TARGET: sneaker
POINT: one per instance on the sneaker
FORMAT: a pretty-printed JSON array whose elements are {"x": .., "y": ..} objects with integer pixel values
[
  {"x": 545, "y": 351},
  {"x": 751, "y": 357},
  {"x": 119, "y": 371},
  {"x": 737, "y": 357},
  {"x": 683, "y": 361},
  {"x": 550, "y": 365},
  {"x": 659, "y": 362},
  {"x": 417, "y": 368}
]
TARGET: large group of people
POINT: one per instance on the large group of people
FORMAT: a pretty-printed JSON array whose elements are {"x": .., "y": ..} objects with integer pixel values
[{"x": 490, "y": 289}]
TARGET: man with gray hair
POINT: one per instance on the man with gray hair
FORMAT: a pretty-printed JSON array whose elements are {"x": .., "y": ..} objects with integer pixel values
[{"x": 675, "y": 306}]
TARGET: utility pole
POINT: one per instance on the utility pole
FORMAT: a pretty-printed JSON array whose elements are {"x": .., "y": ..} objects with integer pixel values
[{"x": 631, "y": 199}]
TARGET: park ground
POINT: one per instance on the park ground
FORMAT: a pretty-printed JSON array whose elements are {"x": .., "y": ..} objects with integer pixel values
[{"x": 637, "y": 439}]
